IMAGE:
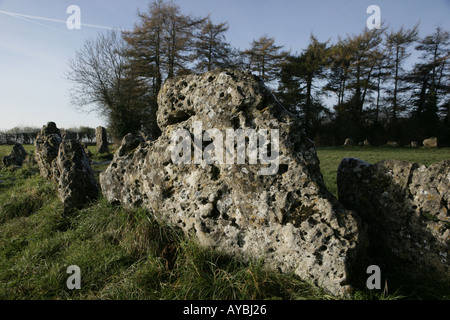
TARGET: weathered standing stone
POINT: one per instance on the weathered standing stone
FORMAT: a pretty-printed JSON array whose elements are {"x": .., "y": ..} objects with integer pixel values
[
  {"x": 393, "y": 144},
  {"x": 72, "y": 170},
  {"x": 16, "y": 157},
  {"x": 46, "y": 148},
  {"x": 406, "y": 207},
  {"x": 102, "y": 140},
  {"x": 348, "y": 142},
  {"x": 64, "y": 160},
  {"x": 431, "y": 143},
  {"x": 288, "y": 219},
  {"x": 49, "y": 129}
]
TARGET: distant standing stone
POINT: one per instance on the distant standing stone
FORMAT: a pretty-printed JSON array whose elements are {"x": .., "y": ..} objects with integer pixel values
[
  {"x": 16, "y": 157},
  {"x": 348, "y": 142},
  {"x": 393, "y": 144},
  {"x": 102, "y": 140},
  {"x": 431, "y": 143},
  {"x": 47, "y": 147}
]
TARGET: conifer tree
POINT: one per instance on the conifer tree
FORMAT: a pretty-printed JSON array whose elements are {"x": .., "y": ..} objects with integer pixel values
[
  {"x": 397, "y": 44},
  {"x": 298, "y": 82},
  {"x": 264, "y": 58},
  {"x": 211, "y": 49}
]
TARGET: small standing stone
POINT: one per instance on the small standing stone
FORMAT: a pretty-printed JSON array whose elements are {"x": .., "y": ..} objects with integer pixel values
[
  {"x": 431, "y": 143},
  {"x": 72, "y": 170},
  {"x": 47, "y": 147},
  {"x": 64, "y": 161},
  {"x": 16, "y": 157},
  {"x": 348, "y": 142},
  {"x": 393, "y": 144},
  {"x": 102, "y": 140}
]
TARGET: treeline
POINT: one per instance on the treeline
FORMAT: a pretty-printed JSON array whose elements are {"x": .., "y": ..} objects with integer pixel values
[
  {"x": 27, "y": 135},
  {"x": 375, "y": 94},
  {"x": 361, "y": 87}
]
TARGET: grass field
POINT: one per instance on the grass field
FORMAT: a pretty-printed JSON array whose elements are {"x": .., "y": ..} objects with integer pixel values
[
  {"x": 331, "y": 157},
  {"x": 122, "y": 252}
]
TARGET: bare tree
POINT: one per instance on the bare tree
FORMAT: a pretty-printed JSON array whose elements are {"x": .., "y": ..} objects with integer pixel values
[{"x": 103, "y": 82}]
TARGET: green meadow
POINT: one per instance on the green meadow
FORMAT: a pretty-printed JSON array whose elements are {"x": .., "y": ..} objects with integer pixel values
[{"x": 331, "y": 157}]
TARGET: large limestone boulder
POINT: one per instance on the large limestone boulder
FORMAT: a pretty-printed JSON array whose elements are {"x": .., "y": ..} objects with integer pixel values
[
  {"x": 253, "y": 206},
  {"x": 16, "y": 157},
  {"x": 406, "y": 207},
  {"x": 72, "y": 170},
  {"x": 46, "y": 148}
]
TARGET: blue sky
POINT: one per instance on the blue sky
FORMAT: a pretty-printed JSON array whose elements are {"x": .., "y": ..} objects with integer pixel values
[{"x": 34, "y": 53}]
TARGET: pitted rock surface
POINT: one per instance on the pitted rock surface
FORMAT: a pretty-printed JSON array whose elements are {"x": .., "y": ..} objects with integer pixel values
[
  {"x": 288, "y": 219},
  {"x": 47, "y": 147},
  {"x": 64, "y": 161},
  {"x": 406, "y": 208},
  {"x": 72, "y": 170}
]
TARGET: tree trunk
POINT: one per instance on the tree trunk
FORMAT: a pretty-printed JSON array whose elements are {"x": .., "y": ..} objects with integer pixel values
[{"x": 394, "y": 105}]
